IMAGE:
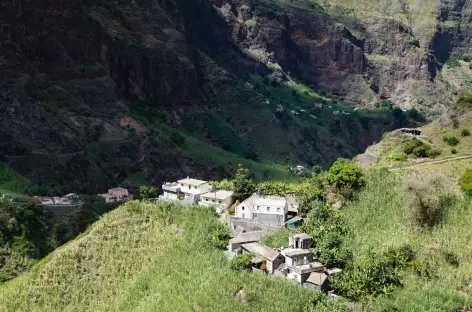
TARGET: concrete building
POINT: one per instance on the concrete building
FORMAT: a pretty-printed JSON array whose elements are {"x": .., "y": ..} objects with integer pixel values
[
  {"x": 193, "y": 188},
  {"x": 170, "y": 191},
  {"x": 317, "y": 281},
  {"x": 243, "y": 238},
  {"x": 300, "y": 240},
  {"x": 264, "y": 258},
  {"x": 299, "y": 264},
  {"x": 221, "y": 200},
  {"x": 264, "y": 209},
  {"x": 295, "y": 257}
]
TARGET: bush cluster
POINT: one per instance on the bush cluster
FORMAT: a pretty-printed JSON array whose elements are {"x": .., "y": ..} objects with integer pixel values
[
  {"x": 465, "y": 132},
  {"x": 241, "y": 262},
  {"x": 466, "y": 182},
  {"x": 451, "y": 140},
  {"x": 379, "y": 274},
  {"x": 419, "y": 149}
]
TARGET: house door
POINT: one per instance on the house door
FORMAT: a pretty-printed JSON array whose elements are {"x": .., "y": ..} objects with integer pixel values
[{"x": 243, "y": 216}]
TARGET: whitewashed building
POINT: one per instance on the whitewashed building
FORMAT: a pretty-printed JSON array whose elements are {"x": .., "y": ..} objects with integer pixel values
[
  {"x": 264, "y": 209},
  {"x": 193, "y": 188},
  {"x": 221, "y": 200}
]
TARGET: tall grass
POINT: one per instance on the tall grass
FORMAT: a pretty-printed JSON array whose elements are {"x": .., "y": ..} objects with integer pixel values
[
  {"x": 132, "y": 261},
  {"x": 381, "y": 218}
]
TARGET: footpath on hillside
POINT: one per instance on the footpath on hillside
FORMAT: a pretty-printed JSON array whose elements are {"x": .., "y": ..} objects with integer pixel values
[{"x": 409, "y": 166}]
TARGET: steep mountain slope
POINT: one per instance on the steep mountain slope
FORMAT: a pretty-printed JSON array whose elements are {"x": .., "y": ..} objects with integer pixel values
[{"x": 91, "y": 89}]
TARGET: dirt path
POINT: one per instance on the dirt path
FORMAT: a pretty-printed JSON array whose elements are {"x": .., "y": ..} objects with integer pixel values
[{"x": 392, "y": 168}]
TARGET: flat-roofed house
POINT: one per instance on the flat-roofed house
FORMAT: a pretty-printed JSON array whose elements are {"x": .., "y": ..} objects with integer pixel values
[
  {"x": 193, "y": 188},
  {"x": 221, "y": 200},
  {"x": 170, "y": 191},
  {"x": 299, "y": 264},
  {"x": 263, "y": 255},
  {"x": 265, "y": 209}
]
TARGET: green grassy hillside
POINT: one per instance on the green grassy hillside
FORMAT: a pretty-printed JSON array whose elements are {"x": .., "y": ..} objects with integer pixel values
[
  {"x": 381, "y": 219},
  {"x": 157, "y": 257},
  {"x": 131, "y": 261}
]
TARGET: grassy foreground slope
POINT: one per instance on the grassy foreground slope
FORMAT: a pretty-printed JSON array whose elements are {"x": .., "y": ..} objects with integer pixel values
[
  {"x": 132, "y": 261},
  {"x": 381, "y": 218}
]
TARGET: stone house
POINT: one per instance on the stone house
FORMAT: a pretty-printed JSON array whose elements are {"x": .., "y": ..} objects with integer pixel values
[
  {"x": 263, "y": 256},
  {"x": 221, "y": 200},
  {"x": 300, "y": 240}
]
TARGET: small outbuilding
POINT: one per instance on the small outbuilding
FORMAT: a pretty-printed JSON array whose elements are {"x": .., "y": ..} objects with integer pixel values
[
  {"x": 264, "y": 255},
  {"x": 243, "y": 238},
  {"x": 317, "y": 281}
]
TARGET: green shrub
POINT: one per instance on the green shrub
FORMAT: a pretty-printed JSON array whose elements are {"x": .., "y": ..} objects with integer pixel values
[
  {"x": 379, "y": 275},
  {"x": 452, "y": 140},
  {"x": 147, "y": 191},
  {"x": 397, "y": 156},
  {"x": 428, "y": 197},
  {"x": 470, "y": 66},
  {"x": 453, "y": 151},
  {"x": 241, "y": 262},
  {"x": 434, "y": 152},
  {"x": 176, "y": 137},
  {"x": 464, "y": 100},
  {"x": 465, "y": 181},
  {"x": 345, "y": 177},
  {"x": 465, "y": 132},
  {"x": 453, "y": 63},
  {"x": 419, "y": 148},
  {"x": 466, "y": 58},
  {"x": 220, "y": 235}
]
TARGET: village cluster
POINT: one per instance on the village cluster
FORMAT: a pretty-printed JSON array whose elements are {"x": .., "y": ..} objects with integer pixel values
[
  {"x": 253, "y": 218},
  {"x": 114, "y": 195}
]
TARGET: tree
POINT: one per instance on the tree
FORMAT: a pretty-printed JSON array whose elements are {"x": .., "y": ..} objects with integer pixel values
[
  {"x": 243, "y": 185},
  {"x": 345, "y": 177},
  {"x": 465, "y": 132},
  {"x": 147, "y": 191}
]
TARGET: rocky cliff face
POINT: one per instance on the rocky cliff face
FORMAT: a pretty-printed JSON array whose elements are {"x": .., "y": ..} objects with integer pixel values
[{"x": 86, "y": 84}]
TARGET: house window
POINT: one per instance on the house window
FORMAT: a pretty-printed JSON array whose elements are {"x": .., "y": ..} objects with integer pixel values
[
  {"x": 195, "y": 187},
  {"x": 242, "y": 208},
  {"x": 206, "y": 199},
  {"x": 258, "y": 207},
  {"x": 278, "y": 209},
  {"x": 219, "y": 202},
  {"x": 213, "y": 200},
  {"x": 181, "y": 184},
  {"x": 268, "y": 208},
  {"x": 189, "y": 187}
]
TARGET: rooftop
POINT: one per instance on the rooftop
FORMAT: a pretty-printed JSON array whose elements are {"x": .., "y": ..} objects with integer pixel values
[
  {"x": 317, "y": 278},
  {"x": 194, "y": 182},
  {"x": 261, "y": 250},
  {"x": 248, "y": 237},
  {"x": 310, "y": 267},
  {"x": 173, "y": 187},
  {"x": 301, "y": 236},
  {"x": 270, "y": 200},
  {"x": 294, "y": 219},
  {"x": 218, "y": 194},
  {"x": 292, "y": 252}
]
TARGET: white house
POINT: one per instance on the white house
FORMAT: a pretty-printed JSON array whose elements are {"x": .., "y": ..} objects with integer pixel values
[
  {"x": 193, "y": 188},
  {"x": 299, "y": 264},
  {"x": 221, "y": 200},
  {"x": 264, "y": 209},
  {"x": 170, "y": 191}
]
